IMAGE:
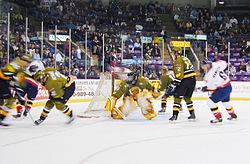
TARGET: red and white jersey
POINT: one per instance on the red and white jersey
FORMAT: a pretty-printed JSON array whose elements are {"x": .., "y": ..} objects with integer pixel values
[{"x": 216, "y": 77}]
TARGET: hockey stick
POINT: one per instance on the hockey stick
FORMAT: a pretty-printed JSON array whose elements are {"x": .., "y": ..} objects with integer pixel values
[{"x": 31, "y": 117}]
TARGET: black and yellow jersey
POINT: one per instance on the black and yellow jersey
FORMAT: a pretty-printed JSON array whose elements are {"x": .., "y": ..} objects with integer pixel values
[{"x": 183, "y": 68}]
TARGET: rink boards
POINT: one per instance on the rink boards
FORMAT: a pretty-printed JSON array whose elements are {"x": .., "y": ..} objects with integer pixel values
[{"x": 85, "y": 90}]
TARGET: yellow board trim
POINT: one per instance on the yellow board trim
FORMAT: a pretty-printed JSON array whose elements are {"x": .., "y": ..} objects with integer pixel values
[{"x": 42, "y": 103}]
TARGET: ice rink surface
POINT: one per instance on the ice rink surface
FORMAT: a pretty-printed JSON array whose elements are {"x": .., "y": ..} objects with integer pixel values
[{"x": 133, "y": 141}]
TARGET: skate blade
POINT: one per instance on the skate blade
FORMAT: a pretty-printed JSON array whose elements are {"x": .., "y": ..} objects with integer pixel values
[
  {"x": 4, "y": 125},
  {"x": 71, "y": 120},
  {"x": 232, "y": 119},
  {"x": 162, "y": 113}
]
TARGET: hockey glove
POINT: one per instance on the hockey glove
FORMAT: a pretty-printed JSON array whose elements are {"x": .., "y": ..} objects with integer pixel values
[
  {"x": 170, "y": 90},
  {"x": 176, "y": 82},
  {"x": 204, "y": 89}
]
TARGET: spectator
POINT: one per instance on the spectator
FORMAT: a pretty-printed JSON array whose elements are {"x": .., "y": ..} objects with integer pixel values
[
  {"x": 242, "y": 66},
  {"x": 248, "y": 67},
  {"x": 81, "y": 74},
  {"x": 36, "y": 55},
  {"x": 66, "y": 47},
  {"x": 58, "y": 57},
  {"x": 233, "y": 20},
  {"x": 156, "y": 52},
  {"x": 219, "y": 18},
  {"x": 232, "y": 70},
  {"x": 78, "y": 53},
  {"x": 245, "y": 21},
  {"x": 96, "y": 45}
]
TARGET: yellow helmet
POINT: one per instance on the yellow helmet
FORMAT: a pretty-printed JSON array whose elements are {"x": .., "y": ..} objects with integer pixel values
[
  {"x": 39, "y": 76},
  {"x": 177, "y": 49},
  {"x": 165, "y": 68}
]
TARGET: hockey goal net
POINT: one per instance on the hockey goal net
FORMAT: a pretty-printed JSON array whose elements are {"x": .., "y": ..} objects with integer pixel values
[{"x": 104, "y": 90}]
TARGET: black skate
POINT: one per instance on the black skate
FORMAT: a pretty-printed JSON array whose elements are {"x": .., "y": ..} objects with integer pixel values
[
  {"x": 4, "y": 124},
  {"x": 163, "y": 110},
  {"x": 25, "y": 113},
  {"x": 71, "y": 118},
  {"x": 233, "y": 116},
  {"x": 39, "y": 121},
  {"x": 217, "y": 120},
  {"x": 173, "y": 118},
  {"x": 18, "y": 115},
  {"x": 192, "y": 116}
]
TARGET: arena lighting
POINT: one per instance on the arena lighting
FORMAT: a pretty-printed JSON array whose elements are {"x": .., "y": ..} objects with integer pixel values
[{"x": 221, "y": 2}]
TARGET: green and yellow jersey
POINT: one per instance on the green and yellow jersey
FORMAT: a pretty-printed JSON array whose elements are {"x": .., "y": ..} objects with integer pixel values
[
  {"x": 12, "y": 69},
  {"x": 55, "y": 82},
  {"x": 125, "y": 88},
  {"x": 183, "y": 68},
  {"x": 165, "y": 80}
]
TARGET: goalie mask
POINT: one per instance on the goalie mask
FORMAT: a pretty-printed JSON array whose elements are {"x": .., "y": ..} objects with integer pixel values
[{"x": 132, "y": 77}]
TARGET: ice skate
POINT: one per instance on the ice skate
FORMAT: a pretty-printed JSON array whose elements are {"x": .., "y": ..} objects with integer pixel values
[
  {"x": 217, "y": 120},
  {"x": 162, "y": 111},
  {"x": 173, "y": 118},
  {"x": 192, "y": 116},
  {"x": 233, "y": 116},
  {"x": 39, "y": 121},
  {"x": 17, "y": 116}
]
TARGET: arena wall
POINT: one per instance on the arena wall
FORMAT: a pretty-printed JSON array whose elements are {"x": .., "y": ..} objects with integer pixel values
[{"x": 85, "y": 90}]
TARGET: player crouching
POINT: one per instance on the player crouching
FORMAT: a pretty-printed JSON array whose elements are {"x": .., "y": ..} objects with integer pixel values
[
  {"x": 60, "y": 90},
  {"x": 135, "y": 91},
  {"x": 219, "y": 84}
]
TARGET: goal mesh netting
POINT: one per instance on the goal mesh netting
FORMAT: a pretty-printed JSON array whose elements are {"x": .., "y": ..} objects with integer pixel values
[{"x": 106, "y": 86}]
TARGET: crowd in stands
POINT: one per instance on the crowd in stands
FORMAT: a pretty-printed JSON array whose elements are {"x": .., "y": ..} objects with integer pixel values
[
  {"x": 132, "y": 21},
  {"x": 221, "y": 29}
]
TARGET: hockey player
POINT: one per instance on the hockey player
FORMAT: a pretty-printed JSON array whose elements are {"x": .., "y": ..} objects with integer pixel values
[
  {"x": 134, "y": 90},
  {"x": 219, "y": 84},
  {"x": 8, "y": 79},
  {"x": 60, "y": 90},
  {"x": 26, "y": 93},
  {"x": 183, "y": 85},
  {"x": 166, "y": 78}
]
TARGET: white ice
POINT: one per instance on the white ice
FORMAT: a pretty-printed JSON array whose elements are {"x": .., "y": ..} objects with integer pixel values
[{"x": 134, "y": 141}]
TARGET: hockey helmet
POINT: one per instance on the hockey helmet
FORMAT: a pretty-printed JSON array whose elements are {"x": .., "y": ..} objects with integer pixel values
[
  {"x": 177, "y": 50},
  {"x": 39, "y": 76},
  {"x": 164, "y": 69},
  {"x": 206, "y": 62}
]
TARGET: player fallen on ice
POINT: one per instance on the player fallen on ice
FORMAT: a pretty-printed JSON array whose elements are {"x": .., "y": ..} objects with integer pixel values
[
  {"x": 183, "y": 85},
  {"x": 60, "y": 90},
  {"x": 135, "y": 91},
  {"x": 220, "y": 86},
  {"x": 26, "y": 91},
  {"x": 10, "y": 75}
]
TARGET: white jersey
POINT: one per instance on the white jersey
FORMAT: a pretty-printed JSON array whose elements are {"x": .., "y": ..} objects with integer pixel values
[
  {"x": 216, "y": 77},
  {"x": 37, "y": 64}
]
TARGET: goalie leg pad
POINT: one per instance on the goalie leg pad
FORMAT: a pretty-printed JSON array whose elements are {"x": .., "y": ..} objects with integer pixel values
[
  {"x": 127, "y": 107},
  {"x": 146, "y": 106}
]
